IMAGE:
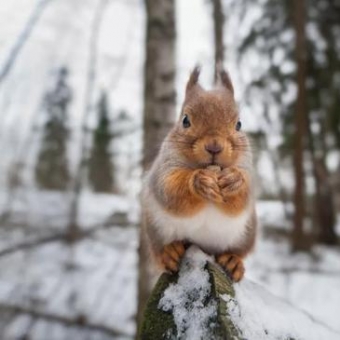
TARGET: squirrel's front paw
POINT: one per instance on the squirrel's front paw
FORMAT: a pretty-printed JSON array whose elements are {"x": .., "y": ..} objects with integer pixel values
[
  {"x": 232, "y": 264},
  {"x": 205, "y": 184},
  {"x": 230, "y": 181},
  {"x": 171, "y": 255}
]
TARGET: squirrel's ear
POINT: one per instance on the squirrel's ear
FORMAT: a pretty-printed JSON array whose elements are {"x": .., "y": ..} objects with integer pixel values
[
  {"x": 193, "y": 80},
  {"x": 226, "y": 81}
]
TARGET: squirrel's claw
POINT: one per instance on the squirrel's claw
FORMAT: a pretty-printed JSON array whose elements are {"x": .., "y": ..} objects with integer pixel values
[
  {"x": 205, "y": 185},
  {"x": 232, "y": 264},
  {"x": 230, "y": 181},
  {"x": 171, "y": 256}
]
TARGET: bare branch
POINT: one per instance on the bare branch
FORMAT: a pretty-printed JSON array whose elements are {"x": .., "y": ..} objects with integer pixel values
[
  {"x": 23, "y": 37},
  {"x": 117, "y": 221},
  {"x": 80, "y": 320},
  {"x": 91, "y": 77}
]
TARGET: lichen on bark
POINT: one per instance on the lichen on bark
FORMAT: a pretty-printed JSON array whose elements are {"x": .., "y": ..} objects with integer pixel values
[{"x": 158, "y": 324}]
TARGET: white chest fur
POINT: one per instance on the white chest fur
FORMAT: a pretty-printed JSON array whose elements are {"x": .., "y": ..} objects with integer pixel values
[{"x": 210, "y": 229}]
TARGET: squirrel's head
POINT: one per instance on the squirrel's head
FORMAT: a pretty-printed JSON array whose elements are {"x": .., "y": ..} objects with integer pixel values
[{"x": 208, "y": 131}]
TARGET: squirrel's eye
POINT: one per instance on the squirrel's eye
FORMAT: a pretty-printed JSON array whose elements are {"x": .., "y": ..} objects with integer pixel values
[
  {"x": 186, "y": 121},
  {"x": 238, "y": 126}
]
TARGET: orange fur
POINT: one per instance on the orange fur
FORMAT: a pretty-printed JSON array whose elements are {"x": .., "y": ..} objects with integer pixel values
[
  {"x": 192, "y": 189},
  {"x": 170, "y": 256},
  {"x": 235, "y": 190},
  {"x": 183, "y": 199},
  {"x": 188, "y": 174},
  {"x": 233, "y": 264}
]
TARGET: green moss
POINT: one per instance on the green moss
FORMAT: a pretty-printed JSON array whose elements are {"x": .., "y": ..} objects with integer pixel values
[
  {"x": 222, "y": 285},
  {"x": 158, "y": 324}
]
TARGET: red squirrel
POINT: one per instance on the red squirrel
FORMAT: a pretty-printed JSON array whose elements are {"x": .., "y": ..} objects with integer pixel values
[{"x": 199, "y": 190}]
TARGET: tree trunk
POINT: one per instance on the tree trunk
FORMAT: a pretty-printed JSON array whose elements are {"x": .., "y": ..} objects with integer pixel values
[
  {"x": 158, "y": 324},
  {"x": 324, "y": 205},
  {"x": 218, "y": 20},
  {"x": 159, "y": 104},
  {"x": 298, "y": 239},
  {"x": 159, "y": 75}
]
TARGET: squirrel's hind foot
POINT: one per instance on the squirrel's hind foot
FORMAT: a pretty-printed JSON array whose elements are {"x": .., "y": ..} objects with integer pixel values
[
  {"x": 171, "y": 256},
  {"x": 232, "y": 264}
]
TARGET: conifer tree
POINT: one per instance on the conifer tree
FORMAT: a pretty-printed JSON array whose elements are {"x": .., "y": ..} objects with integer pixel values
[
  {"x": 51, "y": 171},
  {"x": 272, "y": 35},
  {"x": 101, "y": 172}
]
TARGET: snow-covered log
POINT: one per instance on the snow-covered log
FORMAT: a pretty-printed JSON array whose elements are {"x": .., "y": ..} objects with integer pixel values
[{"x": 201, "y": 302}]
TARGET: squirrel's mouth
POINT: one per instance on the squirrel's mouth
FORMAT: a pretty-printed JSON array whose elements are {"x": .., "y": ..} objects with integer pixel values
[{"x": 213, "y": 162}]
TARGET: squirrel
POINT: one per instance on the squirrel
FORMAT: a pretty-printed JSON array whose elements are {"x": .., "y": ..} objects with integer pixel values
[{"x": 199, "y": 189}]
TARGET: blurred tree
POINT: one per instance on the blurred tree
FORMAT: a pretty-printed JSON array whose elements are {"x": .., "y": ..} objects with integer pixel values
[
  {"x": 218, "y": 21},
  {"x": 299, "y": 241},
  {"x": 51, "y": 171},
  {"x": 312, "y": 67},
  {"x": 74, "y": 230},
  {"x": 159, "y": 104},
  {"x": 323, "y": 86},
  {"x": 101, "y": 172}
]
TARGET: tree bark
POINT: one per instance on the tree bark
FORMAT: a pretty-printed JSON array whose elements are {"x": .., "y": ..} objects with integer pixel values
[
  {"x": 159, "y": 75},
  {"x": 324, "y": 204},
  {"x": 159, "y": 104},
  {"x": 298, "y": 239},
  {"x": 218, "y": 20}
]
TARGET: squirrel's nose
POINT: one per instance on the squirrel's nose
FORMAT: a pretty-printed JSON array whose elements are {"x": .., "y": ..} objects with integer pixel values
[{"x": 214, "y": 149}]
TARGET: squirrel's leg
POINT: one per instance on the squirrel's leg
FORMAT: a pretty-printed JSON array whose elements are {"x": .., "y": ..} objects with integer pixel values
[
  {"x": 235, "y": 190},
  {"x": 171, "y": 256},
  {"x": 164, "y": 256},
  {"x": 232, "y": 264},
  {"x": 232, "y": 260}
]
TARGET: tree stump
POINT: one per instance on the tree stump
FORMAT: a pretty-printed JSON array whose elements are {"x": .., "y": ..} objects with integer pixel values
[
  {"x": 201, "y": 302},
  {"x": 159, "y": 324}
]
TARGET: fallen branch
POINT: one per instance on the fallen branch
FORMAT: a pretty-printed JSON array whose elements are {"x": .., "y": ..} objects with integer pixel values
[
  {"x": 32, "y": 243},
  {"x": 116, "y": 221},
  {"x": 70, "y": 322}
]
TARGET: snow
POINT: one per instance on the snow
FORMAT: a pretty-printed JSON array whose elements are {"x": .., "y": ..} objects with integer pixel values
[
  {"x": 188, "y": 299},
  {"x": 255, "y": 312},
  {"x": 310, "y": 282},
  {"x": 95, "y": 278},
  {"x": 272, "y": 213},
  {"x": 260, "y": 315}
]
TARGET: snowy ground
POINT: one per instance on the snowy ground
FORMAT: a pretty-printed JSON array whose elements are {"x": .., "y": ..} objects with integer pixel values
[
  {"x": 93, "y": 281},
  {"x": 310, "y": 282}
]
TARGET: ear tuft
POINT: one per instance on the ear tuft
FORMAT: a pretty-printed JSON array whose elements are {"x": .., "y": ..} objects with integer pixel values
[
  {"x": 194, "y": 76},
  {"x": 226, "y": 81}
]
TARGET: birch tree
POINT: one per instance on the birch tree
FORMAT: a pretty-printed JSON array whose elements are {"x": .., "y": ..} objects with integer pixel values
[
  {"x": 159, "y": 101},
  {"x": 218, "y": 22}
]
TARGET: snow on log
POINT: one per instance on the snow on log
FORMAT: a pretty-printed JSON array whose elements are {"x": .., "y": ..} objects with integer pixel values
[{"x": 201, "y": 302}]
